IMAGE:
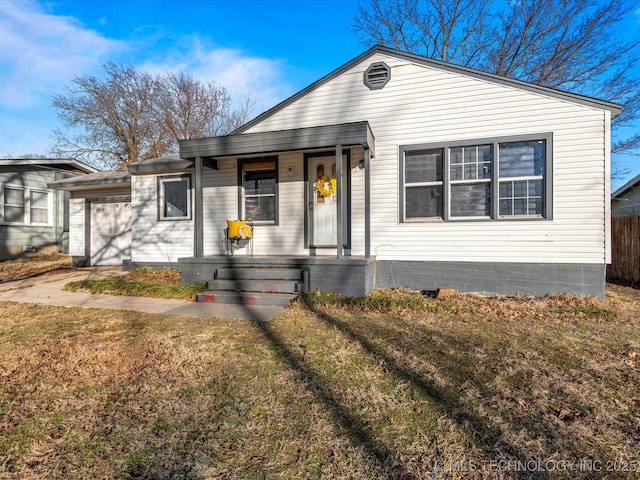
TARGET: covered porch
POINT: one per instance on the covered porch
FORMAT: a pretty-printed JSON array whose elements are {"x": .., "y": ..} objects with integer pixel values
[{"x": 315, "y": 262}]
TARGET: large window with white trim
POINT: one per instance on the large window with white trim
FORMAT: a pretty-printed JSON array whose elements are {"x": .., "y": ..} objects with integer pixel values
[
  {"x": 25, "y": 205},
  {"x": 505, "y": 178}
]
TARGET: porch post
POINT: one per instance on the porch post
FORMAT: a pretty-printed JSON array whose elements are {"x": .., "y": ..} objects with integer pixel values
[
  {"x": 367, "y": 203},
  {"x": 339, "y": 199},
  {"x": 198, "y": 218}
]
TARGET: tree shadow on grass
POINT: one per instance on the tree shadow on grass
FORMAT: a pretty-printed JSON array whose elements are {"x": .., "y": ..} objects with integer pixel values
[
  {"x": 487, "y": 437},
  {"x": 385, "y": 464}
]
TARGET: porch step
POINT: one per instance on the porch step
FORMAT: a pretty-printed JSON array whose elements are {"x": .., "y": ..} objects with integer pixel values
[
  {"x": 257, "y": 285},
  {"x": 254, "y": 285},
  {"x": 246, "y": 298},
  {"x": 259, "y": 273}
]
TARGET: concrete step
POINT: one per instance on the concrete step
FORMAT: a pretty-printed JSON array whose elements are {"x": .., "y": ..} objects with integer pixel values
[
  {"x": 265, "y": 286},
  {"x": 246, "y": 298},
  {"x": 258, "y": 273}
]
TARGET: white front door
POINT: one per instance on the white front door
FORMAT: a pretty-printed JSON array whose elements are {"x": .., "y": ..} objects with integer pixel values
[{"x": 323, "y": 212}]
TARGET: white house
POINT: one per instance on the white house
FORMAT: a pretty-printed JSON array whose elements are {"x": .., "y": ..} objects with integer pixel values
[{"x": 446, "y": 176}]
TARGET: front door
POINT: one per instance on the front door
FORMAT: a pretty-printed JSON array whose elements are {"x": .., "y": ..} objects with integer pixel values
[{"x": 323, "y": 212}]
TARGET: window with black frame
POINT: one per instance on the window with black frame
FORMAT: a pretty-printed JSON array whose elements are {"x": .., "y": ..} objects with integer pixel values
[
  {"x": 175, "y": 197},
  {"x": 503, "y": 178},
  {"x": 259, "y": 191}
]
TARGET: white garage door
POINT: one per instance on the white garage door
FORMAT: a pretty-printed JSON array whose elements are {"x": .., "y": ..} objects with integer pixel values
[{"x": 110, "y": 233}]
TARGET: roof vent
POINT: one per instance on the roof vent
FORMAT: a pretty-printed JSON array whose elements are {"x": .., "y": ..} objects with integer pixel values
[{"x": 377, "y": 75}]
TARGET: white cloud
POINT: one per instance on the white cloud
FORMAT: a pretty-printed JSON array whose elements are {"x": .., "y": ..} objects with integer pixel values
[
  {"x": 239, "y": 72},
  {"x": 41, "y": 52}
]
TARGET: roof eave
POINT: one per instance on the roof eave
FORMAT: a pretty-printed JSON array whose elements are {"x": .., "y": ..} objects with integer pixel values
[
  {"x": 51, "y": 163},
  {"x": 297, "y": 139},
  {"x": 626, "y": 187}
]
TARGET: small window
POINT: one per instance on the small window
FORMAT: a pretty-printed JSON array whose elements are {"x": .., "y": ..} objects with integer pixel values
[
  {"x": 175, "y": 197},
  {"x": 39, "y": 207},
  {"x": 259, "y": 191},
  {"x": 14, "y": 205}
]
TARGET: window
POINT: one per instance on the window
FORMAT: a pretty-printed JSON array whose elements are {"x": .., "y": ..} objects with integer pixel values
[
  {"x": 23, "y": 205},
  {"x": 521, "y": 175},
  {"x": 39, "y": 207},
  {"x": 470, "y": 176},
  {"x": 14, "y": 210},
  {"x": 259, "y": 182},
  {"x": 175, "y": 197},
  {"x": 423, "y": 185},
  {"x": 496, "y": 179}
]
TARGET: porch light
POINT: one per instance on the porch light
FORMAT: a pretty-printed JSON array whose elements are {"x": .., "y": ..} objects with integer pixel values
[{"x": 361, "y": 164}]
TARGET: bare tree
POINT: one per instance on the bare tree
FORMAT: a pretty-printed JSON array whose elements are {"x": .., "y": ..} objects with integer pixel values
[
  {"x": 190, "y": 109},
  {"x": 573, "y": 45},
  {"x": 132, "y": 115},
  {"x": 108, "y": 120}
]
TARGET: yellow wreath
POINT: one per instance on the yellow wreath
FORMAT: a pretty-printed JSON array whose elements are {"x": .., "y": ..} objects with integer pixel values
[{"x": 321, "y": 187}]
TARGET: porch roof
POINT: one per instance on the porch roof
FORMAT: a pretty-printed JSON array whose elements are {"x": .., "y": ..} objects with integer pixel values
[{"x": 325, "y": 136}]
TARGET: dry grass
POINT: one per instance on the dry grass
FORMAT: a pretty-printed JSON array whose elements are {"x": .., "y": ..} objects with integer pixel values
[
  {"x": 325, "y": 392},
  {"x": 33, "y": 265}
]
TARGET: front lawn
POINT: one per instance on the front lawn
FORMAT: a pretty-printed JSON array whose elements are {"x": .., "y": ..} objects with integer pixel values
[{"x": 458, "y": 388}]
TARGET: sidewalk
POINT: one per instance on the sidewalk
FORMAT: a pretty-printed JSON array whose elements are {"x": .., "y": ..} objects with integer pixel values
[{"x": 47, "y": 289}]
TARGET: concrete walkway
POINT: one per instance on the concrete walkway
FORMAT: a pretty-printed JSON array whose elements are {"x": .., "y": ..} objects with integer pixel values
[{"x": 47, "y": 289}]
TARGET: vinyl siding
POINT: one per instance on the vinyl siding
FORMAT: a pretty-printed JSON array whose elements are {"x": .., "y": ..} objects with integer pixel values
[
  {"x": 427, "y": 105},
  {"x": 14, "y": 236},
  {"x": 156, "y": 240},
  {"x": 77, "y": 230}
]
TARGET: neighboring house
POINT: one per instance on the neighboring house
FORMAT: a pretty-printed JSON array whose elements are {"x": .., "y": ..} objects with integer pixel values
[
  {"x": 446, "y": 176},
  {"x": 32, "y": 215},
  {"x": 625, "y": 201}
]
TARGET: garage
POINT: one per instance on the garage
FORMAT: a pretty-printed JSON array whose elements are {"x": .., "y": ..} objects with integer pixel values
[{"x": 110, "y": 232}]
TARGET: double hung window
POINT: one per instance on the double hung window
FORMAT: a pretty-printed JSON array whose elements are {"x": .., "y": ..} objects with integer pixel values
[
  {"x": 496, "y": 179},
  {"x": 25, "y": 205},
  {"x": 259, "y": 192}
]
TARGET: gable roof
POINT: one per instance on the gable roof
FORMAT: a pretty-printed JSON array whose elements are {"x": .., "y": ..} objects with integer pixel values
[
  {"x": 614, "y": 108},
  {"x": 630, "y": 185},
  {"x": 67, "y": 164}
]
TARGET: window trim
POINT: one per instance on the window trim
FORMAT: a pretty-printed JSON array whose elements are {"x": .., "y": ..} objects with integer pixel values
[
  {"x": 241, "y": 197},
  {"x": 161, "y": 196},
  {"x": 26, "y": 205},
  {"x": 547, "y": 178},
  {"x": 31, "y": 207}
]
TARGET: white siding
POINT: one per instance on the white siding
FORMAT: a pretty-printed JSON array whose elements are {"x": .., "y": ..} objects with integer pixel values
[
  {"x": 426, "y": 105},
  {"x": 156, "y": 240},
  {"x": 76, "y": 227},
  {"x": 220, "y": 202}
]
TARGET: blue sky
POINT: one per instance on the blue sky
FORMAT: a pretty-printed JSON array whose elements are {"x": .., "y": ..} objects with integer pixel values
[{"x": 270, "y": 48}]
